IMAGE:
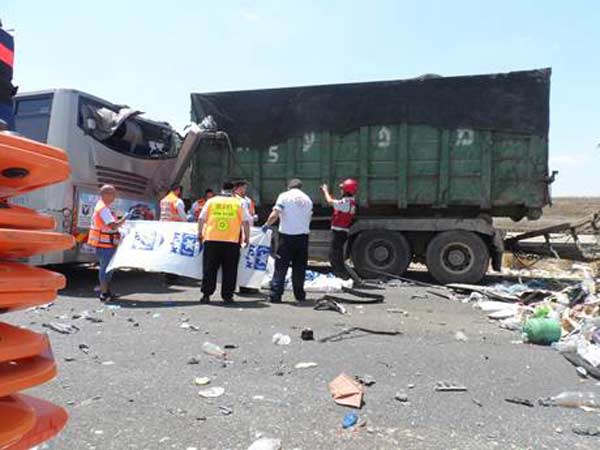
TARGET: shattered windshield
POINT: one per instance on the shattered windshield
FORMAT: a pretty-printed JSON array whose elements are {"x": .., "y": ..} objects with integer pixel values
[{"x": 123, "y": 130}]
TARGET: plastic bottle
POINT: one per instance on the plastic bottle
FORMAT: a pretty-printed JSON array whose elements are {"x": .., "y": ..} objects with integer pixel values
[
  {"x": 213, "y": 350},
  {"x": 570, "y": 399},
  {"x": 542, "y": 331}
]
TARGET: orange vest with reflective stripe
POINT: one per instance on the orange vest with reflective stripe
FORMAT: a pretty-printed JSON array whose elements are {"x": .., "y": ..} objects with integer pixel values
[
  {"x": 224, "y": 218},
  {"x": 168, "y": 208},
  {"x": 100, "y": 234}
]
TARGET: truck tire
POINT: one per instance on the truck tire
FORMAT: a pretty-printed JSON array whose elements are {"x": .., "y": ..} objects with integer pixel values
[
  {"x": 377, "y": 251},
  {"x": 457, "y": 257}
]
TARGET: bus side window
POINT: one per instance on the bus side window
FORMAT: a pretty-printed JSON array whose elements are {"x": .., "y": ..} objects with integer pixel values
[{"x": 32, "y": 116}]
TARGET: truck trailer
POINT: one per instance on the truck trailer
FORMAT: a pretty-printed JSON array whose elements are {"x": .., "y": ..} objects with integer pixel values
[{"x": 437, "y": 158}]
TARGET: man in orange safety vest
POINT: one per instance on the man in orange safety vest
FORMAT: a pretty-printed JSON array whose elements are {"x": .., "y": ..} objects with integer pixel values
[
  {"x": 172, "y": 207},
  {"x": 104, "y": 236}
]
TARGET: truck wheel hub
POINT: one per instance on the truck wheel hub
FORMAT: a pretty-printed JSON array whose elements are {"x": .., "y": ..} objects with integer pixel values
[{"x": 457, "y": 257}]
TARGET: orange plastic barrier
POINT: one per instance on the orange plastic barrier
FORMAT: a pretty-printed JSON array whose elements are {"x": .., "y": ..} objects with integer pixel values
[
  {"x": 23, "y": 286},
  {"x": 18, "y": 418},
  {"x": 26, "y": 358},
  {"x": 24, "y": 243},
  {"x": 13, "y": 216},
  {"x": 50, "y": 420}
]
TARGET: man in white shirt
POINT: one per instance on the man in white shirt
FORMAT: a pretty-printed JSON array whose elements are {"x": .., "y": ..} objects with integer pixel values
[{"x": 293, "y": 208}]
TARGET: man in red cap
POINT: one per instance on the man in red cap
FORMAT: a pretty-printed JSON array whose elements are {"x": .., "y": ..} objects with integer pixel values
[{"x": 344, "y": 211}]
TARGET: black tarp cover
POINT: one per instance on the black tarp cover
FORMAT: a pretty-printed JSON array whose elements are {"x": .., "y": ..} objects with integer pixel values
[{"x": 512, "y": 102}]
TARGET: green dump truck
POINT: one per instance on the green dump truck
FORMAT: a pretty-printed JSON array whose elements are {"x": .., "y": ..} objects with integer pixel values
[{"x": 436, "y": 157}]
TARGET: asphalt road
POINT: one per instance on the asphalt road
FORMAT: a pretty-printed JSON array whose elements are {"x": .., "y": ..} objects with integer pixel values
[{"x": 135, "y": 388}]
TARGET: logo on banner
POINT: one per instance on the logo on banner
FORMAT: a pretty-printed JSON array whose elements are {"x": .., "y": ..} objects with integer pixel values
[
  {"x": 146, "y": 240},
  {"x": 185, "y": 244},
  {"x": 257, "y": 257}
]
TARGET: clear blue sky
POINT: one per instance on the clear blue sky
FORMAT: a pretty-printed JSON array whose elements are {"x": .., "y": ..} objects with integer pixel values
[{"x": 152, "y": 54}]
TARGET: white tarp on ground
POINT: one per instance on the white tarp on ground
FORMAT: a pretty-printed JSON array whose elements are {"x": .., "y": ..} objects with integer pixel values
[{"x": 173, "y": 247}]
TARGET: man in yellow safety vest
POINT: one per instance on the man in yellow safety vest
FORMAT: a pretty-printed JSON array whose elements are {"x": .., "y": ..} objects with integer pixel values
[
  {"x": 104, "y": 236},
  {"x": 220, "y": 226}
]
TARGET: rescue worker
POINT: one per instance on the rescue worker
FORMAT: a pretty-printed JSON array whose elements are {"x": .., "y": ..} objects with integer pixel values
[
  {"x": 197, "y": 206},
  {"x": 344, "y": 211},
  {"x": 172, "y": 207},
  {"x": 220, "y": 226},
  {"x": 293, "y": 208},
  {"x": 240, "y": 189},
  {"x": 104, "y": 236}
]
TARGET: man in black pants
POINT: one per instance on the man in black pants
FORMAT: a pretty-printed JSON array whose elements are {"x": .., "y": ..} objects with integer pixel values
[
  {"x": 219, "y": 228},
  {"x": 344, "y": 211},
  {"x": 293, "y": 208}
]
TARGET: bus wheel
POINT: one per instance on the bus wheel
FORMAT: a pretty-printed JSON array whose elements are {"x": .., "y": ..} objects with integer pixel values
[
  {"x": 377, "y": 251},
  {"x": 457, "y": 257}
]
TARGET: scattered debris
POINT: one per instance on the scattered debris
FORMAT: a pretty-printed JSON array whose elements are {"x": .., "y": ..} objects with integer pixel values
[
  {"x": 460, "y": 336},
  {"x": 397, "y": 311},
  {"x": 108, "y": 363},
  {"x": 281, "y": 339},
  {"x": 445, "y": 386},
  {"x": 326, "y": 304},
  {"x": 344, "y": 334},
  {"x": 62, "y": 328},
  {"x": 366, "y": 380},
  {"x": 582, "y": 372},
  {"x": 69, "y": 359},
  {"x": 477, "y": 402},
  {"x": 307, "y": 334},
  {"x": 225, "y": 410},
  {"x": 266, "y": 444},
  {"x": 587, "y": 431},
  {"x": 193, "y": 360},
  {"x": 213, "y": 350},
  {"x": 587, "y": 401},
  {"x": 346, "y": 391},
  {"x": 519, "y": 401},
  {"x": 84, "y": 348},
  {"x": 350, "y": 419},
  {"x": 230, "y": 346},
  {"x": 212, "y": 392},
  {"x": 411, "y": 386},
  {"x": 94, "y": 319},
  {"x": 401, "y": 396},
  {"x": 187, "y": 326},
  {"x": 201, "y": 381},
  {"x": 305, "y": 365}
]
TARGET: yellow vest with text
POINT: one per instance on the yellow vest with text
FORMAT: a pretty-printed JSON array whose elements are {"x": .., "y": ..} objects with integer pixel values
[{"x": 224, "y": 218}]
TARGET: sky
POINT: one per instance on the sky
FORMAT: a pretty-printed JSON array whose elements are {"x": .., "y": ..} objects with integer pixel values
[{"x": 152, "y": 54}]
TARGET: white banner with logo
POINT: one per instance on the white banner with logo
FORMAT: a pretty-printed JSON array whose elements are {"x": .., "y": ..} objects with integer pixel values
[{"x": 173, "y": 247}]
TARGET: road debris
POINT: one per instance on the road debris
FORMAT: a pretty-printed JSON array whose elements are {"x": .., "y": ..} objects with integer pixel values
[
  {"x": 213, "y": 350},
  {"x": 281, "y": 339},
  {"x": 587, "y": 431},
  {"x": 350, "y": 419},
  {"x": 401, "y": 396},
  {"x": 266, "y": 444},
  {"x": 366, "y": 380},
  {"x": 188, "y": 326},
  {"x": 460, "y": 336},
  {"x": 366, "y": 331},
  {"x": 519, "y": 401},
  {"x": 192, "y": 360},
  {"x": 346, "y": 391},
  {"x": 84, "y": 348},
  {"x": 446, "y": 386},
  {"x": 225, "y": 410},
  {"x": 305, "y": 365},
  {"x": 62, "y": 328},
  {"x": 588, "y": 401},
  {"x": 201, "y": 381},
  {"x": 212, "y": 392},
  {"x": 326, "y": 304},
  {"x": 307, "y": 334}
]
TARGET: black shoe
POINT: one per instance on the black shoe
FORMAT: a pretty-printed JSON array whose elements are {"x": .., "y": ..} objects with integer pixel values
[
  {"x": 228, "y": 300},
  {"x": 275, "y": 300},
  {"x": 301, "y": 299},
  {"x": 104, "y": 297},
  {"x": 205, "y": 299}
]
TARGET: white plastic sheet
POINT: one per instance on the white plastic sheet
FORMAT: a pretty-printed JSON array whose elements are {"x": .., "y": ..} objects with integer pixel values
[{"x": 173, "y": 247}]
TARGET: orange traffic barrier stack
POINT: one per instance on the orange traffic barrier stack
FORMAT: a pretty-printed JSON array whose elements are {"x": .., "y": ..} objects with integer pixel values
[{"x": 26, "y": 358}]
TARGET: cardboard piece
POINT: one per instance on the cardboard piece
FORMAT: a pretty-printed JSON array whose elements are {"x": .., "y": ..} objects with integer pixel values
[{"x": 346, "y": 391}]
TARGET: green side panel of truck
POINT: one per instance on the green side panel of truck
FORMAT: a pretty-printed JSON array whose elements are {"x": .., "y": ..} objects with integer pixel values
[{"x": 399, "y": 166}]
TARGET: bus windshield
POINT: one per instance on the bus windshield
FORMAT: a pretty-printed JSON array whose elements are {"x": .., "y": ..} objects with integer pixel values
[
  {"x": 123, "y": 130},
  {"x": 32, "y": 116}
]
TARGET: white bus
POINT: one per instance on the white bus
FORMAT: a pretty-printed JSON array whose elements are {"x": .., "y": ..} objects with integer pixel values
[{"x": 106, "y": 143}]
